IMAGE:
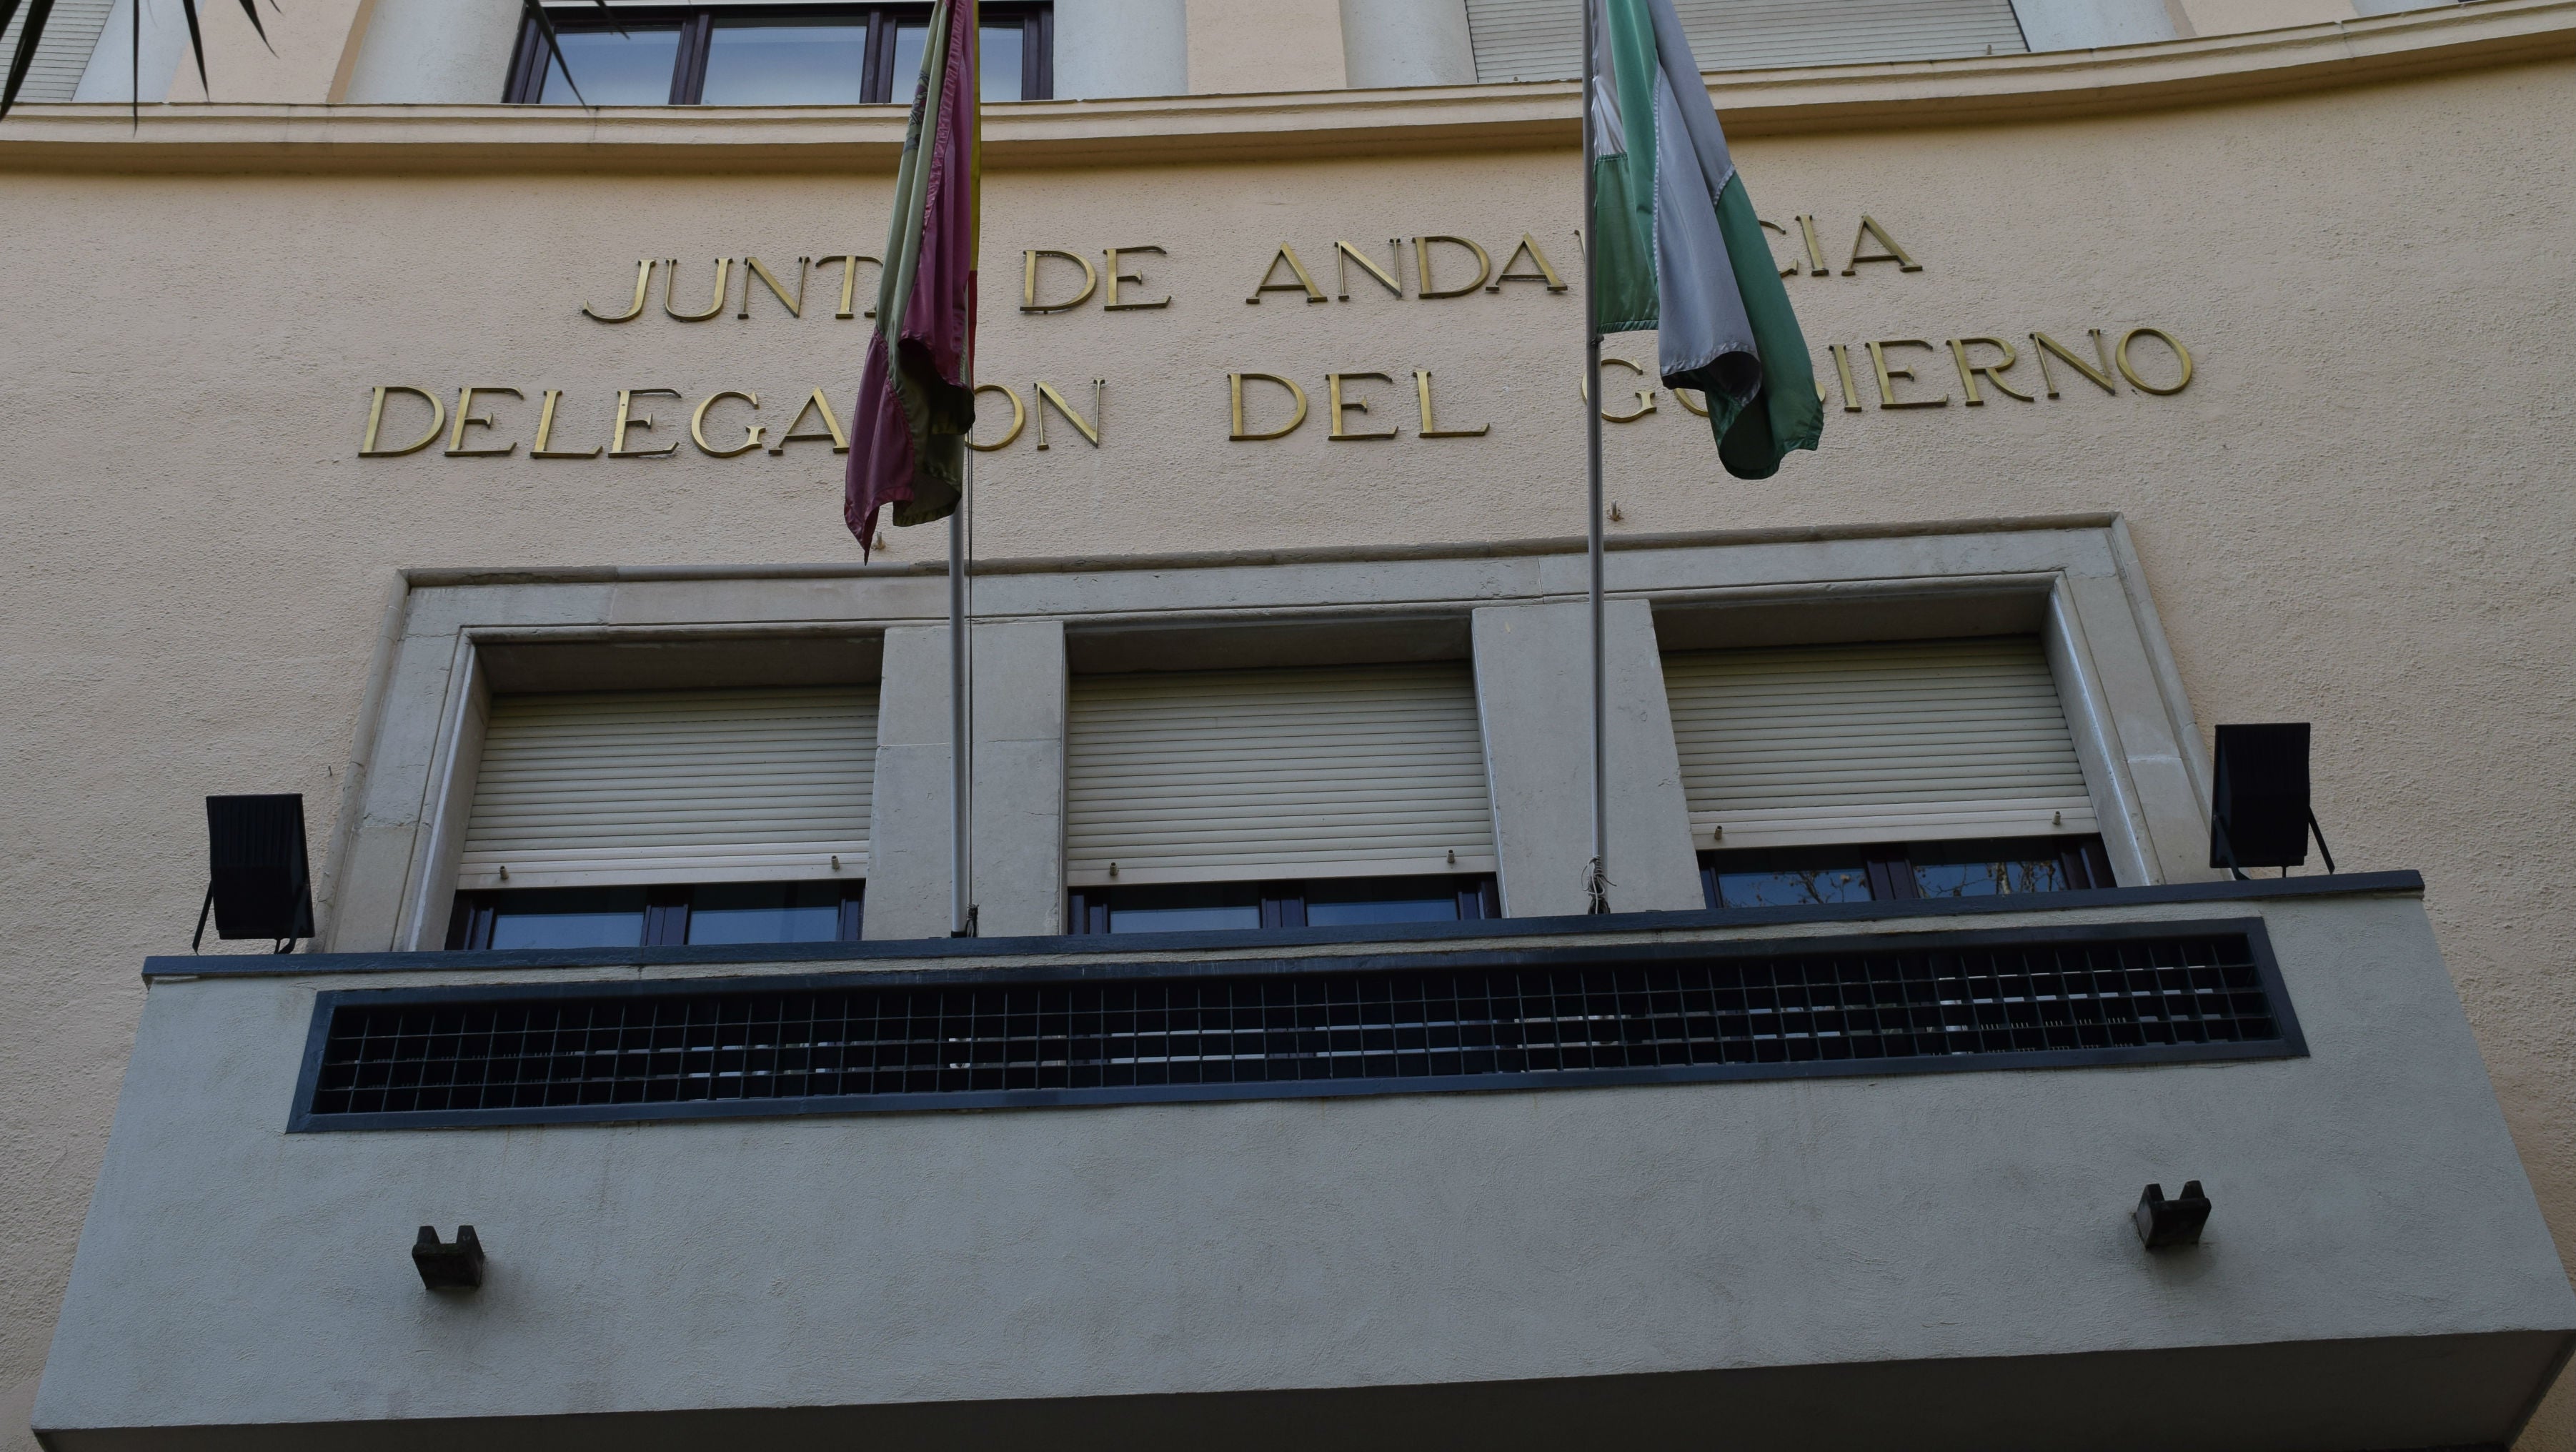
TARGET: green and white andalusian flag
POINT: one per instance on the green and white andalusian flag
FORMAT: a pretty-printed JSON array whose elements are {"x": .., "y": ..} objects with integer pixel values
[{"x": 1681, "y": 251}]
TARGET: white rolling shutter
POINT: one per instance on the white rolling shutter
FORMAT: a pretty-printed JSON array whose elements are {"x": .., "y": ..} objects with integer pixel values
[
  {"x": 1542, "y": 40},
  {"x": 70, "y": 35},
  {"x": 1214, "y": 776},
  {"x": 1874, "y": 743},
  {"x": 673, "y": 786}
]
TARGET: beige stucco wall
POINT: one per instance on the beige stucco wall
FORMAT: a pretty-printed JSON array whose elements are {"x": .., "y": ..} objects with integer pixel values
[{"x": 2356, "y": 514}]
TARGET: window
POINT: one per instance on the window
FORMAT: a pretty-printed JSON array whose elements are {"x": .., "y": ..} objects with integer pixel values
[
  {"x": 1993, "y": 867},
  {"x": 654, "y": 917},
  {"x": 767, "y": 55},
  {"x": 1541, "y": 40},
  {"x": 1329, "y": 903}
]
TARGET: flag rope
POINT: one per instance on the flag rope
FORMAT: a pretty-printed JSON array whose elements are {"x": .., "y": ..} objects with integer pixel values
[{"x": 961, "y": 711}]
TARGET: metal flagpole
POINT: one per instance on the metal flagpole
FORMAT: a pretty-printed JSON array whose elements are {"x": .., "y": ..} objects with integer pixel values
[
  {"x": 1596, "y": 877},
  {"x": 961, "y": 921}
]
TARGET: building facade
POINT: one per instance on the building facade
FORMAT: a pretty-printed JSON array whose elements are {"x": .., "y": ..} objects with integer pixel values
[{"x": 399, "y": 429}]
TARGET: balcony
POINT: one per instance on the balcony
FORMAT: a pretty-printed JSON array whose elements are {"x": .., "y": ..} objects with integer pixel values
[{"x": 1828, "y": 1178}]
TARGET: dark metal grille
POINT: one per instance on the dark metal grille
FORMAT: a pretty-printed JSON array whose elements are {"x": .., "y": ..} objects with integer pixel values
[{"x": 1569, "y": 1022}]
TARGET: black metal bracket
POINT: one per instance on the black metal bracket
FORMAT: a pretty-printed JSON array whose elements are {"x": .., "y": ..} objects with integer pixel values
[
  {"x": 2163, "y": 1223},
  {"x": 456, "y": 1266},
  {"x": 199, "y": 941}
]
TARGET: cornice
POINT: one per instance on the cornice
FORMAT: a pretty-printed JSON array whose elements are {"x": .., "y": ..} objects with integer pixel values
[{"x": 1985, "y": 90}]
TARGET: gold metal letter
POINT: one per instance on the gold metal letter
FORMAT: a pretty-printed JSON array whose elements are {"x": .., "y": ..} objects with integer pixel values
[
  {"x": 671, "y": 285},
  {"x": 1029, "y": 280},
  {"x": 1816, "y": 264},
  {"x": 752, "y": 268},
  {"x": 849, "y": 281},
  {"x": 1423, "y": 289},
  {"x": 2100, "y": 376},
  {"x": 1111, "y": 304},
  {"x": 1431, "y": 430},
  {"x": 1240, "y": 434},
  {"x": 1645, "y": 396},
  {"x": 1344, "y": 254},
  {"x": 627, "y": 419},
  {"x": 643, "y": 281},
  {"x": 1288, "y": 255},
  {"x": 815, "y": 403},
  {"x": 1019, "y": 413},
  {"x": 466, "y": 418},
  {"x": 1887, "y": 376},
  {"x": 1047, "y": 395},
  {"x": 698, "y": 423},
  {"x": 1792, "y": 269},
  {"x": 1889, "y": 250},
  {"x": 2131, "y": 374},
  {"x": 542, "y": 449},
  {"x": 1545, "y": 273},
  {"x": 1994, "y": 371},
  {"x": 1339, "y": 405},
  {"x": 376, "y": 422},
  {"x": 1842, "y": 370}
]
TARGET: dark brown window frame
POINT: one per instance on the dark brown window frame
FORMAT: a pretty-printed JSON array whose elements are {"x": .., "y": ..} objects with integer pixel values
[
  {"x": 530, "y": 61},
  {"x": 1283, "y": 902},
  {"x": 666, "y": 915}
]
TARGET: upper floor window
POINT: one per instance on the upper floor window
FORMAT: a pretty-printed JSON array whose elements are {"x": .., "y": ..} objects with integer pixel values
[{"x": 767, "y": 55}]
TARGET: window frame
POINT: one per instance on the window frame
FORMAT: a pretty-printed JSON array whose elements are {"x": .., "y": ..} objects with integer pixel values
[
  {"x": 1283, "y": 901},
  {"x": 2084, "y": 859},
  {"x": 666, "y": 914},
  {"x": 533, "y": 57}
]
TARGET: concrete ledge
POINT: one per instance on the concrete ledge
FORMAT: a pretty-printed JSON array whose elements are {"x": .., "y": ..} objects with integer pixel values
[
  {"x": 1302, "y": 126},
  {"x": 1231, "y": 944}
]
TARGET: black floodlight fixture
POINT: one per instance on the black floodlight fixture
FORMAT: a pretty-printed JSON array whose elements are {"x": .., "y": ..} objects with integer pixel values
[
  {"x": 258, "y": 885},
  {"x": 2259, "y": 813},
  {"x": 455, "y": 1266},
  {"x": 2163, "y": 1223}
]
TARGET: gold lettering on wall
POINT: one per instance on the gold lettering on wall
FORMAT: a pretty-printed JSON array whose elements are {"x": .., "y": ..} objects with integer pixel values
[
  {"x": 751, "y": 268},
  {"x": 1340, "y": 405},
  {"x": 634, "y": 310},
  {"x": 367, "y": 448},
  {"x": 1993, "y": 372},
  {"x": 2101, "y": 376},
  {"x": 671, "y": 286},
  {"x": 1242, "y": 434},
  {"x": 819, "y": 406},
  {"x": 1546, "y": 270},
  {"x": 849, "y": 280},
  {"x": 1029, "y": 280},
  {"x": 467, "y": 418},
  {"x": 1792, "y": 269},
  {"x": 1645, "y": 396},
  {"x": 1842, "y": 370},
  {"x": 543, "y": 447},
  {"x": 1888, "y": 251},
  {"x": 1048, "y": 397},
  {"x": 1816, "y": 266},
  {"x": 1302, "y": 283},
  {"x": 1345, "y": 253},
  {"x": 1019, "y": 417},
  {"x": 1430, "y": 428},
  {"x": 1424, "y": 290},
  {"x": 1116, "y": 257},
  {"x": 2181, "y": 355},
  {"x": 1887, "y": 376},
  {"x": 627, "y": 419},
  {"x": 698, "y": 423}
]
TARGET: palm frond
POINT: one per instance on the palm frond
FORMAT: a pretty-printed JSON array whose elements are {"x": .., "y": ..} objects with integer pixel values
[{"x": 535, "y": 10}]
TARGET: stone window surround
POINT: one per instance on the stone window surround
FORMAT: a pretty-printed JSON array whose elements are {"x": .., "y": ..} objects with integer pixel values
[{"x": 1515, "y": 607}]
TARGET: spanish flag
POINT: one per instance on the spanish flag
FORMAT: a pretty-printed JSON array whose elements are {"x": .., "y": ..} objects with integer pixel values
[
  {"x": 917, "y": 393},
  {"x": 1680, "y": 249}
]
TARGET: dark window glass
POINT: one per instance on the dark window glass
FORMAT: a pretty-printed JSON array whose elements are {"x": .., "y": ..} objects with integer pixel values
[
  {"x": 1381, "y": 900},
  {"x": 905, "y": 75},
  {"x": 633, "y": 69},
  {"x": 574, "y": 917},
  {"x": 1879, "y": 872},
  {"x": 774, "y": 62},
  {"x": 765, "y": 912},
  {"x": 1002, "y": 62},
  {"x": 1185, "y": 907}
]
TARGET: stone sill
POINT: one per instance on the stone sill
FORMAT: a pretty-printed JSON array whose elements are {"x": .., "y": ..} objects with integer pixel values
[{"x": 1986, "y": 90}]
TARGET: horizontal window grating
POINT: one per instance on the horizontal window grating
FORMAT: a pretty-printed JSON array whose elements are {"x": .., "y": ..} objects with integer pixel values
[{"x": 1568, "y": 1023}]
